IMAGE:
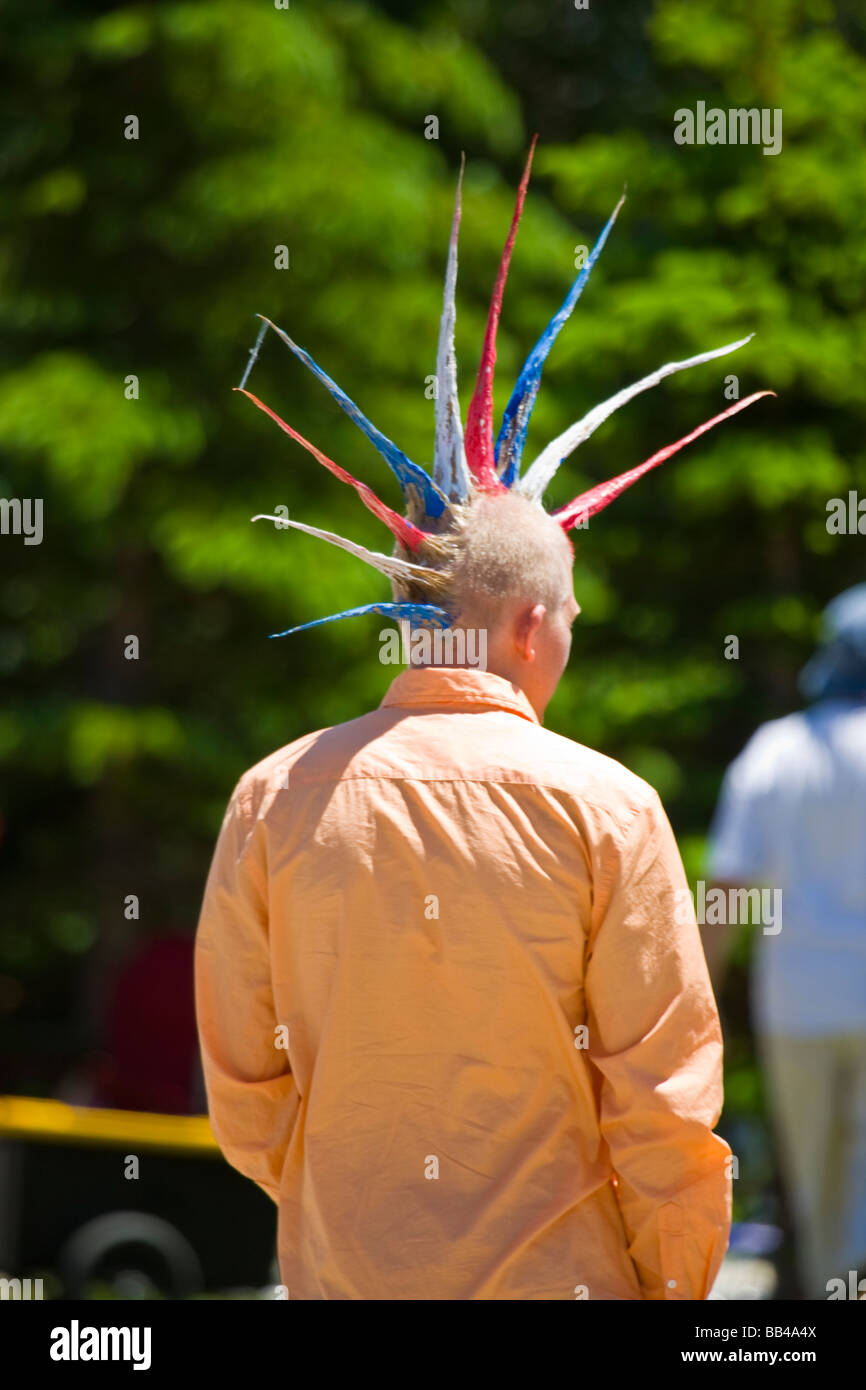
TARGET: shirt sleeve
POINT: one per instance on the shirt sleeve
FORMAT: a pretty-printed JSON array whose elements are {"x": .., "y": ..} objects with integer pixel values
[
  {"x": 252, "y": 1096},
  {"x": 655, "y": 1039},
  {"x": 738, "y": 851}
]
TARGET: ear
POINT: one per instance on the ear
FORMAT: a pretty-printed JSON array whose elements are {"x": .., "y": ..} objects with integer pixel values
[{"x": 528, "y": 622}]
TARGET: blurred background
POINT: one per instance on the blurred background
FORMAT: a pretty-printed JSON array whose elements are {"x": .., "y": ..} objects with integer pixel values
[{"x": 261, "y": 127}]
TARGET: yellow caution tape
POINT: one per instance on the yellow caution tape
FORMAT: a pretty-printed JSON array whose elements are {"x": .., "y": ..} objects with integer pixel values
[{"x": 55, "y": 1122}]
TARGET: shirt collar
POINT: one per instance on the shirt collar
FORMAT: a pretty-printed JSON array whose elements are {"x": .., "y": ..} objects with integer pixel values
[{"x": 432, "y": 686}]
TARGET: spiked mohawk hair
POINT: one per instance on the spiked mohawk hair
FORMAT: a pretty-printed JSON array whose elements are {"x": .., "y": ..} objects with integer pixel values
[{"x": 438, "y": 509}]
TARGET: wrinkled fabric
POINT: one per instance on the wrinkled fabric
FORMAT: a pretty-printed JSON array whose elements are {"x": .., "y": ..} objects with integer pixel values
[{"x": 453, "y": 1017}]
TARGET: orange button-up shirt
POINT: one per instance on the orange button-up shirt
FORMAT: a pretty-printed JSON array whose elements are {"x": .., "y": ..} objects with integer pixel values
[{"x": 453, "y": 1017}]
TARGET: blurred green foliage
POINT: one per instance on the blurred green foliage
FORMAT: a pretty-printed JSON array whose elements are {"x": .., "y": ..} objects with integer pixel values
[{"x": 304, "y": 127}]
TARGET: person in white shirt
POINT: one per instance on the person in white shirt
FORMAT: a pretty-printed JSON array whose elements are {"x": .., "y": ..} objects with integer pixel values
[{"x": 791, "y": 817}]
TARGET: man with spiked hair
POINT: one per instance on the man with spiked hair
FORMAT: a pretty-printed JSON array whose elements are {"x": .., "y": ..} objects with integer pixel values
[{"x": 453, "y": 1019}]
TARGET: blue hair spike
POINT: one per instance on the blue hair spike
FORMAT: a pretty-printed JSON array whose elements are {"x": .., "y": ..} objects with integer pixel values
[
  {"x": 409, "y": 474},
  {"x": 515, "y": 420},
  {"x": 416, "y": 613}
]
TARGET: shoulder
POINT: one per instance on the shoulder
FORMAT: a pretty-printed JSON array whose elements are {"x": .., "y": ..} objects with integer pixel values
[
  {"x": 317, "y": 754},
  {"x": 770, "y": 747},
  {"x": 595, "y": 778},
  {"x": 530, "y": 755},
  {"x": 254, "y": 785}
]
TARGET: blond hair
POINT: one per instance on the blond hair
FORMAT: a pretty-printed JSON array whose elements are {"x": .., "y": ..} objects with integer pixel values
[{"x": 500, "y": 547}]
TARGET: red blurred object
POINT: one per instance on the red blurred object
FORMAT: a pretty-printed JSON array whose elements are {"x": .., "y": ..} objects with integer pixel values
[{"x": 152, "y": 1044}]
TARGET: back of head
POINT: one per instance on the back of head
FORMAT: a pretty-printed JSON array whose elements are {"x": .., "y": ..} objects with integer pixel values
[
  {"x": 502, "y": 551},
  {"x": 838, "y": 668},
  {"x": 511, "y": 551}
]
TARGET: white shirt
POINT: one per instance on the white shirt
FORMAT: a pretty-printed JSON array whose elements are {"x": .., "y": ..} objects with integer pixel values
[{"x": 792, "y": 815}]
